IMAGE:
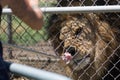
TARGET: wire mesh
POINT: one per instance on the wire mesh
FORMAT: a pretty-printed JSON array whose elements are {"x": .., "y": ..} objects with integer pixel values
[{"x": 91, "y": 40}]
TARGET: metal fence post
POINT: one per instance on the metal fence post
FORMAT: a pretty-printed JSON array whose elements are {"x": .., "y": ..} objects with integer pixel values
[{"x": 9, "y": 34}]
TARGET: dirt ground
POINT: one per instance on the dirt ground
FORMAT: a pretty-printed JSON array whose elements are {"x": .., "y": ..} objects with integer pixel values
[{"x": 33, "y": 59}]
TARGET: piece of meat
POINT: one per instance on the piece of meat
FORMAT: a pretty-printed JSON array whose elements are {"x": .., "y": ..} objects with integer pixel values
[{"x": 67, "y": 57}]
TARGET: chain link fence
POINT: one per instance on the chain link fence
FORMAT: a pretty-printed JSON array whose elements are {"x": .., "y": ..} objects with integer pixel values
[{"x": 90, "y": 39}]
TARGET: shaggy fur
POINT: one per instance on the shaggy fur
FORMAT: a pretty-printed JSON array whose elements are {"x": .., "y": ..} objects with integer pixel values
[{"x": 91, "y": 40}]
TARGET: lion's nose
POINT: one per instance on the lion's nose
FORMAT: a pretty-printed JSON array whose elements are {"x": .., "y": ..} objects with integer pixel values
[{"x": 71, "y": 50}]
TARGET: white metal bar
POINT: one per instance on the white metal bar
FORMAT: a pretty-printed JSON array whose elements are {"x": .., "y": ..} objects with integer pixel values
[
  {"x": 35, "y": 73},
  {"x": 77, "y": 9},
  {"x": 7, "y": 11},
  {"x": 82, "y": 9}
]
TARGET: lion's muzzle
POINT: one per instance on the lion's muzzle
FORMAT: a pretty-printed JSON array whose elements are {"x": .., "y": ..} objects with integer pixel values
[{"x": 74, "y": 59}]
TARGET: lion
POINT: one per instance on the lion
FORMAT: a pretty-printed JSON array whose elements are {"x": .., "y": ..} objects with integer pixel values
[{"x": 87, "y": 44}]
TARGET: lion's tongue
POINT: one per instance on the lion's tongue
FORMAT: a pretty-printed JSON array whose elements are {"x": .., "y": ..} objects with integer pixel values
[{"x": 67, "y": 57}]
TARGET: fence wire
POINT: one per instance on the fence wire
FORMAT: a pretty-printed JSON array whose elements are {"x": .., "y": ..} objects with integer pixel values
[{"x": 82, "y": 46}]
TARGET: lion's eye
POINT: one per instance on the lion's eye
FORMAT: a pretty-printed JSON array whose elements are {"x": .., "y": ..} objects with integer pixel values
[{"x": 78, "y": 31}]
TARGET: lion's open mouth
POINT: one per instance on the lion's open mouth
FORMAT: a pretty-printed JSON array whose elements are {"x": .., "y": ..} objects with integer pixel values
[
  {"x": 73, "y": 58},
  {"x": 68, "y": 54}
]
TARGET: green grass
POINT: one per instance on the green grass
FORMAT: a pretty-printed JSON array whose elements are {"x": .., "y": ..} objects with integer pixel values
[{"x": 21, "y": 33}]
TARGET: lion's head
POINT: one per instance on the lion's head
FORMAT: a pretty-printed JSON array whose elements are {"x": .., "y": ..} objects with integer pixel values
[
  {"x": 88, "y": 42},
  {"x": 78, "y": 38}
]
